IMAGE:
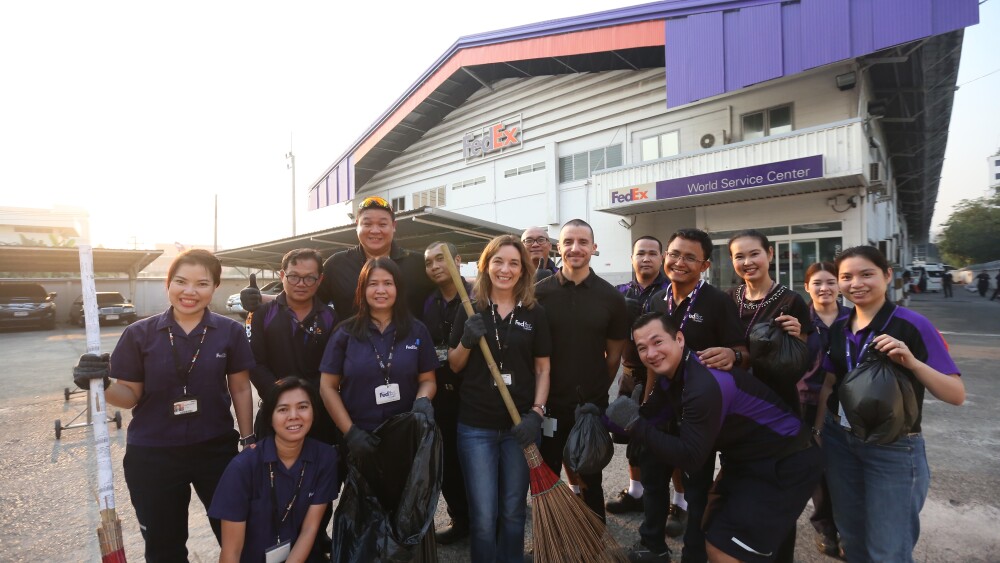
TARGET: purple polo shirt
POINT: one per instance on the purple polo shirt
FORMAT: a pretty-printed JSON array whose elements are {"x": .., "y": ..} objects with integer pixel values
[
  {"x": 356, "y": 362},
  {"x": 144, "y": 355},
  {"x": 244, "y": 492}
]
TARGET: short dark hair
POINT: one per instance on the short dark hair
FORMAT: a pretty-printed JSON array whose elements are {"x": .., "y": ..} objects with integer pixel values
[
  {"x": 825, "y": 266},
  {"x": 869, "y": 253},
  {"x": 451, "y": 247},
  {"x": 357, "y": 325},
  {"x": 695, "y": 235},
  {"x": 648, "y": 237},
  {"x": 749, "y": 233},
  {"x": 578, "y": 223},
  {"x": 293, "y": 257},
  {"x": 668, "y": 324},
  {"x": 269, "y": 402},
  {"x": 197, "y": 257}
]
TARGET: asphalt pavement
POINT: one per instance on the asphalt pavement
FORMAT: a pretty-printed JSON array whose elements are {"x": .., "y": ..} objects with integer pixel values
[{"x": 48, "y": 509}]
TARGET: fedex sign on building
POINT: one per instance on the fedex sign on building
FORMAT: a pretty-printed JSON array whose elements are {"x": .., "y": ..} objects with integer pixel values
[
  {"x": 629, "y": 195},
  {"x": 493, "y": 139}
]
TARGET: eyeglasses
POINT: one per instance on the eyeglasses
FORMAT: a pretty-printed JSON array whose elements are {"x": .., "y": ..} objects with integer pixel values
[
  {"x": 675, "y": 256},
  {"x": 375, "y": 202},
  {"x": 534, "y": 241},
  {"x": 307, "y": 281}
]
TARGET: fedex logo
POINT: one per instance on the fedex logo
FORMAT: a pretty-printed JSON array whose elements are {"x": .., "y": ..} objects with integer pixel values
[
  {"x": 500, "y": 136},
  {"x": 634, "y": 194}
]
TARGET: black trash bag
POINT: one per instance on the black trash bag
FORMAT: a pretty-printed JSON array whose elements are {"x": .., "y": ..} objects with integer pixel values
[
  {"x": 878, "y": 399},
  {"x": 589, "y": 448},
  {"x": 388, "y": 503},
  {"x": 779, "y": 359}
]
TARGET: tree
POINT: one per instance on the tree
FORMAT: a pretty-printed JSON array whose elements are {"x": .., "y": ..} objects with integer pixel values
[{"x": 971, "y": 234}]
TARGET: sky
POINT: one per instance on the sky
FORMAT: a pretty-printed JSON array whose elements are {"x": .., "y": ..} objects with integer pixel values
[{"x": 144, "y": 113}]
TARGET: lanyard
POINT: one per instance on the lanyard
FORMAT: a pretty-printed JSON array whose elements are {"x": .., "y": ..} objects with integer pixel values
[
  {"x": 275, "y": 522},
  {"x": 177, "y": 361},
  {"x": 871, "y": 336},
  {"x": 501, "y": 351},
  {"x": 384, "y": 365},
  {"x": 687, "y": 313}
]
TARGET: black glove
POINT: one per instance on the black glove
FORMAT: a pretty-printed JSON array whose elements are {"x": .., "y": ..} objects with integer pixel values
[
  {"x": 360, "y": 443},
  {"x": 633, "y": 309},
  {"x": 92, "y": 366},
  {"x": 624, "y": 412},
  {"x": 527, "y": 431},
  {"x": 475, "y": 328},
  {"x": 586, "y": 408},
  {"x": 423, "y": 406},
  {"x": 250, "y": 298}
]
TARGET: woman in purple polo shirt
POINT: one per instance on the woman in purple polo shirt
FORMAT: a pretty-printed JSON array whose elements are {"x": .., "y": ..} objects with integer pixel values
[
  {"x": 272, "y": 497},
  {"x": 879, "y": 489},
  {"x": 179, "y": 372}
]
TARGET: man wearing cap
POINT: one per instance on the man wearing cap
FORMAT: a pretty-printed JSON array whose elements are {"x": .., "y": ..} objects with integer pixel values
[{"x": 536, "y": 240}]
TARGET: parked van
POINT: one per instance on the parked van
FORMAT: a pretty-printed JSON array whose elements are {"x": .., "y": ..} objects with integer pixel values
[{"x": 934, "y": 274}]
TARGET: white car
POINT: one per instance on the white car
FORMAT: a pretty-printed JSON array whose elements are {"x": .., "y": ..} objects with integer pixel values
[{"x": 233, "y": 303}]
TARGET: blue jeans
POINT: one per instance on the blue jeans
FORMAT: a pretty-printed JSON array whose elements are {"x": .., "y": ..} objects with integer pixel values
[
  {"x": 877, "y": 493},
  {"x": 496, "y": 481}
]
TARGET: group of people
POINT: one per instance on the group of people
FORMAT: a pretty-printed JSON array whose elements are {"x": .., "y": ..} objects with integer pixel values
[{"x": 376, "y": 331}]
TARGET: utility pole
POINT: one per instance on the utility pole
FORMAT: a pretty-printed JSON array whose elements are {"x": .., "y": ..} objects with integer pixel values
[
  {"x": 215, "y": 240},
  {"x": 290, "y": 156}
]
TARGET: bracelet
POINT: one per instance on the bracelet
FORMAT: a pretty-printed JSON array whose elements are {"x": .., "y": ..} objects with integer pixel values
[
  {"x": 248, "y": 439},
  {"x": 816, "y": 431},
  {"x": 545, "y": 412}
]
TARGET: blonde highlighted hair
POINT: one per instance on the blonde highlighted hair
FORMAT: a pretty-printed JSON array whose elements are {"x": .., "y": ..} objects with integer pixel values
[{"x": 524, "y": 289}]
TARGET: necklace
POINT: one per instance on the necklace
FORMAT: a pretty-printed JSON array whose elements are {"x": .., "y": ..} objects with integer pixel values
[{"x": 742, "y": 301}]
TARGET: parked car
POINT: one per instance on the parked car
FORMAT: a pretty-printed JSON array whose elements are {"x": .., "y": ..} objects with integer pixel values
[
  {"x": 27, "y": 304},
  {"x": 112, "y": 307},
  {"x": 233, "y": 303}
]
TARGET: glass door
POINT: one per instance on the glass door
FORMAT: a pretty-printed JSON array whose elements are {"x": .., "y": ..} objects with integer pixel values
[{"x": 804, "y": 253}]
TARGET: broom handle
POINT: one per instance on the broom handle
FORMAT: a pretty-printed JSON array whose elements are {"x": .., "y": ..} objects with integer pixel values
[{"x": 456, "y": 277}]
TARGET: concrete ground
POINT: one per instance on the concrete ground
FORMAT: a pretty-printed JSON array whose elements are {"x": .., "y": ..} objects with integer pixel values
[{"x": 48, "y": 510}]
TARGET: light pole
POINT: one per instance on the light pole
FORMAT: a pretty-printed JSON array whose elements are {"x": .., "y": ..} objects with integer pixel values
[{"x": 291, "y": 157}]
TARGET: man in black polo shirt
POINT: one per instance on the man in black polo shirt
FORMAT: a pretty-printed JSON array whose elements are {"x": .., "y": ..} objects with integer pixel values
[
  {"x": 647, "y": 279},
  {"x": 709, "y": 321},
  {"x": 440, "y": 308},
  {"x": 376, "y": 226},
  {"x": 589, "y": 325}
]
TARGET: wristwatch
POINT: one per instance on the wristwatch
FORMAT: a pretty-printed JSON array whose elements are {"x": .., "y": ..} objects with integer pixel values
[
  {"x": 739, "y": 357},
  {"x": 545, "y": 411},
  {"x": 247, "y": 440}
]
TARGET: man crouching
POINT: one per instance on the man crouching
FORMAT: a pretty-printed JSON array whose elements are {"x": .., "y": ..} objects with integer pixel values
[{"x": 769, "y": 463}]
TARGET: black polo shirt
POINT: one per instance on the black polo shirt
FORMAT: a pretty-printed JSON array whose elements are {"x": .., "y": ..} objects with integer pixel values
[
  {"x": 524, "y": 335},
  {"x": 439, "y": 316},
  {"x": 713, "y": 321},
  {"x": 582, "y": 318},
  {"x": 341, "y": 272},
  {"x": 632, "y": 290}
]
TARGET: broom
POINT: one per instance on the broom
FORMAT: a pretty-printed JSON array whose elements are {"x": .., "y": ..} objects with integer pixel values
[{"x": 563, "y": 528}]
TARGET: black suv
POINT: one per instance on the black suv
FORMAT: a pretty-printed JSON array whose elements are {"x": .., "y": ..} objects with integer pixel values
[
  {"x": 112, "y": 308},
  {"x": 27, "y": 304}
]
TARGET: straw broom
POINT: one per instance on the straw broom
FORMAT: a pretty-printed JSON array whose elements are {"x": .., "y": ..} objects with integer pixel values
[{"x": 563, "y": 528}]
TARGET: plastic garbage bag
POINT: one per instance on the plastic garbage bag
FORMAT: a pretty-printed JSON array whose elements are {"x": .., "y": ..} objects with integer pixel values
[
  {"x": 589, "y": 448},
  {"x": 878, "y": 399},
  {"x": 779, "y": 359},
  {"x": 387, "y": 506}
]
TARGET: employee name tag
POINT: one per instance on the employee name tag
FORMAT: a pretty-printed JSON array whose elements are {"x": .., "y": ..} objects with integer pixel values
[
  {"x": 442, "y": 353},
  {"x": 508, "y": 379},
  {"x": 549, "y": 426},
  {"x": 187, "y": 405},
  {"x": 386, "y": 393},
  {"x": 278, "y": 553}
]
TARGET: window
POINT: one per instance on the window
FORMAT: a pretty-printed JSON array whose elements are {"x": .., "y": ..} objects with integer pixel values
[
  {"x": 468, "y": 183},
  {"x": 526, "y": 169},
  {"x": 399, "y": 203},
  {"x": 433, "y": 197},
  {"x": 660, "y": 146},
  {"x": 998, "y": 176},
  {"x": 768, "y": 122},
  {"x": 581, "y": 165}
]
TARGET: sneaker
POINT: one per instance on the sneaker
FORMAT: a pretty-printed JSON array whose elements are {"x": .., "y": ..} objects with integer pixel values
[
  {"x": 639, "y": 553},
  {"x": 454, "y": 532},
  {"x": 676, "y": 521},
  {"x": 624, "y": 503}
]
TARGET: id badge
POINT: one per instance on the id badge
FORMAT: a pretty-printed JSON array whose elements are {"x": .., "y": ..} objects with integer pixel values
[
  {"x": 442, "y": 354},
  {"x": 508, "y": 379},
  {"x": 549, "y": 426},
  {"x": 186, "y": 405},
  {"x": 278, "y": 553},
  {"x": 386, "y": 393}
]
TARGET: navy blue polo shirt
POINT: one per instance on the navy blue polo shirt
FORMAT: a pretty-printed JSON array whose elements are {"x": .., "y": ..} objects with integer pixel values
[
  {"x": 355, "y": 361},
  {"x": 144, "y": 355},
  {"x": 244, "y": 492}
]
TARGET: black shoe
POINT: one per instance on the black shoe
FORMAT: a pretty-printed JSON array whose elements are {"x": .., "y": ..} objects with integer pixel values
[
  {"x": 676, "y": 521},
  {"x": 827, "y": 544},
  {"x": 624, "y": 503},
  {"x": 454, "y": 532},
  {"x": 639, "y": 553}
]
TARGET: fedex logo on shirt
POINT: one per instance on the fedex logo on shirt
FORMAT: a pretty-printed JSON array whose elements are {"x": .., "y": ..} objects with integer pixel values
[
  {"x": 628, "y": 195},
  {"x": 524, "y": 325},
  {"x": 412, "y": 347}
]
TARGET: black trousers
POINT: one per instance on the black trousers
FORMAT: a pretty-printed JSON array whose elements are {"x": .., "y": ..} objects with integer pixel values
[
  {"x": 552, "y": 453},
  {"x": 822, "y": 516},
  {"x": 697, "y": 484},
  {"x": 452, "y": 481},
  {"x": 159, "y": 481}
]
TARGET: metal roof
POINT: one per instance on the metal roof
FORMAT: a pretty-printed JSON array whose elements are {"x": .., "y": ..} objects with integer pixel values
[
  {"x": 415, "y": 230},
  {"x": 67, "y": 260}
]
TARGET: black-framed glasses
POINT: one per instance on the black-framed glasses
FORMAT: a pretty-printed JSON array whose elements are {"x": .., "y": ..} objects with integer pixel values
[
  {"x": 675, "y": 256},
  {"x": 375, "y": 202},
  {"x": 307, "y": 281},
  {"x": 534, "y": 241}
]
